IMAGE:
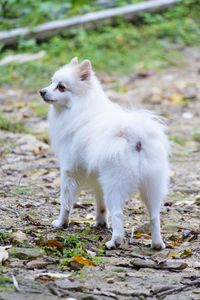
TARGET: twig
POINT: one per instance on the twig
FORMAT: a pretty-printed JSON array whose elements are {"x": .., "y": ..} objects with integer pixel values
[
  {"x": 10, "y": 210},
  {"x": 173, "y": 290},
  {"x": 16, "y": 285}
]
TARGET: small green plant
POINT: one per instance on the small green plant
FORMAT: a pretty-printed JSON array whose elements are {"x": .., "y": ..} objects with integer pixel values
[
  {"x": 73, "y": 245},
  {"x": 5, "y": 124},
  {"x": 196, "y": 135},
  {"x": 177, "y": 139},
  {"x": 4, "y": 237},
  {"x": 6, "y": 283},
  {"x": 52, "y": 251},
  {"x": 20, "y": 191}
]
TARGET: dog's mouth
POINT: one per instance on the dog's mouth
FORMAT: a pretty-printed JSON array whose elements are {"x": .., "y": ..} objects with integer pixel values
[{"x": 49, "y": 101}]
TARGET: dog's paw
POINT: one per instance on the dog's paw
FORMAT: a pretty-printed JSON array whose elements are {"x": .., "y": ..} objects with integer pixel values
[
  {"x": 102, "y": 224},
  {"x": 115, "y": 242},
  {"x": 59, "y": 224},
  {"x": 158, "y": 246}
]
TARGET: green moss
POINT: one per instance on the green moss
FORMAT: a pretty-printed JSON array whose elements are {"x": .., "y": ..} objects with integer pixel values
[
  {"x": 4, "y": 237},
  {"x": 6, "y": 125}
]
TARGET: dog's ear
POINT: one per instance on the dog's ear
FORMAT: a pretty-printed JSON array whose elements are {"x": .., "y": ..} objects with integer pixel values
[
  {"x": 74, "y": 61},
  {"x": 85, "y": 69}
]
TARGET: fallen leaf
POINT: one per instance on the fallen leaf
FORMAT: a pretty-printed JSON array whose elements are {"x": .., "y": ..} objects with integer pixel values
[
  {"x": 177, "y": 98},
  {"x": 52, "y": 244},
  {"x": 181, "y": 254},
  {"x": 173, "y": 244},
  {"x": 53, "y": 275},
  {"x": 161, "y": 257},
  {"x": 139, "y": 235},
  {"x": 83, "y": 261}
]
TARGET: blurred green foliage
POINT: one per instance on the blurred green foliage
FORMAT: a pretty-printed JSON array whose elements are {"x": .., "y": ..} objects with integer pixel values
[
  {"x": 151, "y": 41},
  {"x": 15, "y": 13}
]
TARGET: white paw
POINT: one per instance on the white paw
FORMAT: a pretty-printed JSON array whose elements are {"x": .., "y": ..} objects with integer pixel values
[
  {"x": 57, "y": 224},
  {"x": 115, "y": 242},
  {"x": 158, "y": 246}
]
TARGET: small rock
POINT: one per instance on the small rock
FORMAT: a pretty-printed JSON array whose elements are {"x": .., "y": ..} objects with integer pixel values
[
  {"x": 196, "y": 265},
  {"x": 16, "y": 263},
  {"x": 187, "y": 115},
  {"x": 110, "y": 280},
  {"x": 197, "y": 200},
  {"x": 26, "y": 253},
  {"x": 82, "y": 193},
  {"x": 18, "y": 237},
  {"x": 2, "y": 99},
  {"x": 38, "y": 263},
  {"x": 75, "y": 265}
]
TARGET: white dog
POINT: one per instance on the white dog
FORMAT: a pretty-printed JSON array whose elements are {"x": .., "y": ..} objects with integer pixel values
[{"x": 115, "y": 150}]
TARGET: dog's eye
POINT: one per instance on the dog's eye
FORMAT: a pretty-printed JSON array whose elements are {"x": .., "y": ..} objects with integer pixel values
[{"x": 61, "y": 87}]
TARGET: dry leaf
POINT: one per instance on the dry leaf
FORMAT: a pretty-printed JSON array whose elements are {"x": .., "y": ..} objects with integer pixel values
[
  {"x": 177, "y": 98},
  {"x": 83, "y": 261},
  {"x": 46, "y": 277},
  {"x": 139, "y": 235},
  {"x": 161, "y": 257},
  {"x": 52, "y": 244},
  {"x": 181, "y": 254},
  {"x": 173, "y": 244}
]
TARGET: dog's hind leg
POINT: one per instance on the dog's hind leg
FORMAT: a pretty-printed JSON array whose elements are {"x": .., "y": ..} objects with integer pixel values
[
  {"x": 114, "y": 199},
  {"x": 67, "y": 196},
  {"x": 153, "y": 191},
  {"x": 115, "y": 207},
  {"x": 101, "y": 212}
]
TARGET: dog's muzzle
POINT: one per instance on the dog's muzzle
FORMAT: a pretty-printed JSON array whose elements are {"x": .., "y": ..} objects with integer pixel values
[{"x": 43, "y": 93}]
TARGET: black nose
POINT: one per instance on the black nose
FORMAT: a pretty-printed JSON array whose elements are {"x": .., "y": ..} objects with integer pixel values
[{"x": 42, "y": 93}]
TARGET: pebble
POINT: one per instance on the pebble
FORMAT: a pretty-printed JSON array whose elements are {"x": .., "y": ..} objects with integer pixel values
[{"x": 110, "y": 280}]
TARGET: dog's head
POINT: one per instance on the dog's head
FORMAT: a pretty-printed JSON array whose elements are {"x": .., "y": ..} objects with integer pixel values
[{"x": 70, "y": 81}]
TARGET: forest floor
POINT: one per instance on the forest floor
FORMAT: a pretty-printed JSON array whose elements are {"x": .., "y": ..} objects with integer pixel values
[{"x": 46, "y": 263}]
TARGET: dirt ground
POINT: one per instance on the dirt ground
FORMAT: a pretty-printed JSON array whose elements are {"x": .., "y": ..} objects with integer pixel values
[{"x": 29, "y": 193}]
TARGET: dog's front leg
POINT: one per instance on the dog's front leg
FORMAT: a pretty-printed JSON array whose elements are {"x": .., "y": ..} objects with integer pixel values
[{"x": 68, "y": 190}]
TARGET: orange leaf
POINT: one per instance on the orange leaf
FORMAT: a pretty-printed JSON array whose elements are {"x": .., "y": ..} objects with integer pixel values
[
  {"x": 83, "y": 261},
  {"x": 139, "y": 235},
  {"x": 173, "y": 244},
  {"x": 53, "y": 244}
]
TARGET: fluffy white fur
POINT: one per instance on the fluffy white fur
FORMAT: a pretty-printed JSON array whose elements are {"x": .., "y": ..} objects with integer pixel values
[{"x": 114, "y": 150}]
